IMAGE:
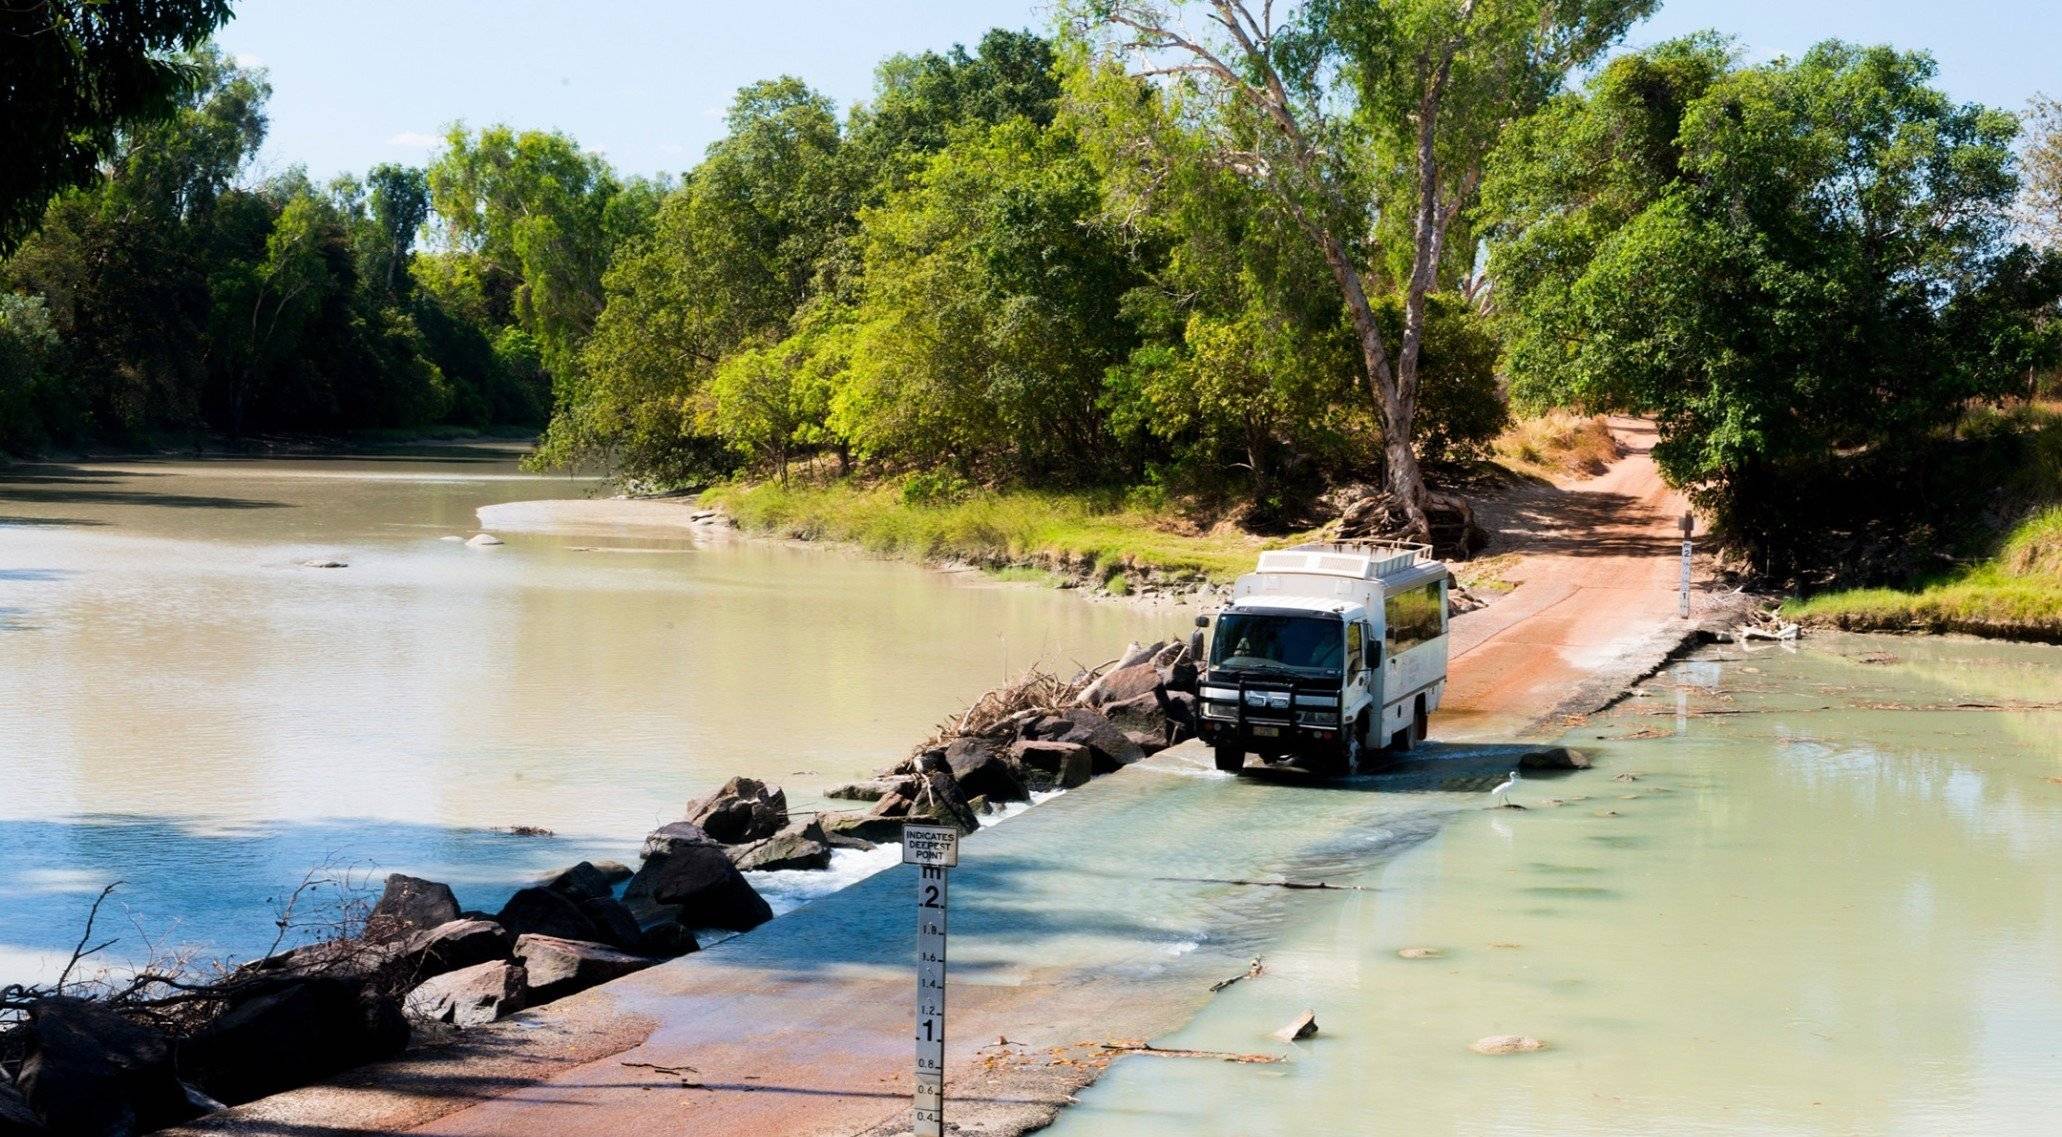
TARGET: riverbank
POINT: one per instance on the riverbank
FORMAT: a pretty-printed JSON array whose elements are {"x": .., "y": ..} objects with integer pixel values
[{"x": 2015, "y": 595}]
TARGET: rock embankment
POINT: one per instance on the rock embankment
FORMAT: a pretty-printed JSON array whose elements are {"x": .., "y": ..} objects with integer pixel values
[{"x": 424, "y": 963}]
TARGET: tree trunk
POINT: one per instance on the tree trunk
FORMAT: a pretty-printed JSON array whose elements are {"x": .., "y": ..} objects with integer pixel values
[{"x": 1401, "y": 475}]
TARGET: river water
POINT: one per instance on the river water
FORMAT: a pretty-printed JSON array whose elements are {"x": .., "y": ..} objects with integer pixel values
[
  {"x": 189, "y": 708},
  {"x": 1812, "y": 892}
]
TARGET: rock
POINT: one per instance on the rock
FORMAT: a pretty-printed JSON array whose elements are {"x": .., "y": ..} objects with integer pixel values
[
  {"x": 873, "y": 790},
  {"x": 939, "y": 799},
  {"x": 745, "y": 809},
  {"x": 981, "y": 806},
  {"x": 665, "y": 938},
  {"x": 1420, "y": 953},
  {"x": 582, "y": 881},
  {"x": 1554, "y": 758},
  {"x": 1131, "y": 682},
  {"x": 410, "y": 904},
  {"x": 348, "y": 957},
  {"x": 1179, "y": 676},
  {"x": 615, "y": 872},
  {"x": 290, "y": 1037},
  {"x": 1304, "y": 1026},
  {"x": 544, "y": 912},
  {"x": 1064, "y": 764},
  {"x": 850, "y": 830},
  {"x": 700, "y": 881},
  {"x": 554, "y": 967},
  {"x": 472, "y": 996},
  {"x": 984, "y": 769},
  {"x": 1506, "y": 1044},
  {"x": 16, "y": 1118},
  {"x": 671, "y": 838},
  {"x": 89, "y": 1071},
  {"x": 458, "y": 944},
  {"x": 1105, "y": 741},
  {"x": 802, "y": 845},
  {"x": 484, "y": 541},
  {"x": 613, "y": 922},
  {"x": 1143, "y": 717}
]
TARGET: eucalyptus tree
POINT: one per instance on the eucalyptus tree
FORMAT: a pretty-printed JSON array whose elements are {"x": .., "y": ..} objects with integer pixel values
[
  {"x": 2040, "y": 201},
  {"x": 75, "y": 74},
  {"x": 1367, "y": 122}
]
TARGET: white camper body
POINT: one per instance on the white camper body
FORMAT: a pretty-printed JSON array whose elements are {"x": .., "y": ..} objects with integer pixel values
[{"x": 1327, "y": 652}]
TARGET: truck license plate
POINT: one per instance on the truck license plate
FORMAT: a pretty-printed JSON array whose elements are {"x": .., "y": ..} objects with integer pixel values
[{"x": 1265, "y": 732}]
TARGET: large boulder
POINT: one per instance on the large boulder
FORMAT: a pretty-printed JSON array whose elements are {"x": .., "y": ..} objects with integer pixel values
[
  {"x": 699, "y": 882},
  {"x": 546, "y": 913},
  {"x": 802, "y": 845},
  {"x": 872, "y": 790},
  {"x": 671, "y": 838},
  {"x": 304, "y": 1031},
  {"x": 554, "y": 968},
  {"x": 1062, "y": 765},
  {"x": 853, "y": 830},
  {"x": 745, "y": 809},
  {"x": 472, "y": 996},
  {"x": 1129, "y": 683},
  {"x": 16, "y": 1118},
  {"x": 89, "y": 1071},
  {"x": 613, "y": 922},
  {"x": 985, "y": 769},
  {"x": 1142, "y": 718},
  {"x": 458, "y": 944},
  {"x": 583, "y": 881},
  {"x": 664, "y": 937},
  {"x": 934, "y": 799},
  {"x": 1105, "y": 740},
  {"x": 410, "y": 904}
]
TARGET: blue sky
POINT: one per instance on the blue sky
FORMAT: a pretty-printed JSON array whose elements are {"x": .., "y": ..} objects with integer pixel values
[{"x": 646, "y": 81}]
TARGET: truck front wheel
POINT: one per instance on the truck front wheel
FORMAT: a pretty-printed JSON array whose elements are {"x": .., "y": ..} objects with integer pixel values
[{"x": 1231, "y": 757}]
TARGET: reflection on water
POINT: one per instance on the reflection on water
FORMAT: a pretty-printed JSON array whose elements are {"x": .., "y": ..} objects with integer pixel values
[
  {"x": 1835, "y": 909},
  {"x": 185, "y": 705}
]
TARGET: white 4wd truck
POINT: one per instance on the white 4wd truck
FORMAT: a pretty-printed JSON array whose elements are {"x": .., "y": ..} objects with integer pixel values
[{"x": 1326, "y": 654}]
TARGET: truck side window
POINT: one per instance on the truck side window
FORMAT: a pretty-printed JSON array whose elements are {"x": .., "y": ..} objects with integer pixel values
[
  {"x": 1355, "y": 661},
  {"x": 1414, "y": 616}
]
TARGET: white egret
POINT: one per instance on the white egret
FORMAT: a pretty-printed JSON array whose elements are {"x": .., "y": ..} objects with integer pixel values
[{"x": 1502, "y": 793}]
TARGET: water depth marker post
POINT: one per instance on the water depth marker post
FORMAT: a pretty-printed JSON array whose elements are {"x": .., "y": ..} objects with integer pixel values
[
  {"x": 934, "y": 849},
  {"x": 1689, "y": 526}
]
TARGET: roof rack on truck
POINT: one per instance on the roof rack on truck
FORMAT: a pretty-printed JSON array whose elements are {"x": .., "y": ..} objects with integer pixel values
[{"x": 1370, "y": 558}]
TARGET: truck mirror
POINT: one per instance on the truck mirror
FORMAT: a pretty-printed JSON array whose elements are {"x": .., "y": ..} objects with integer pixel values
[
  {"x": 1196, "y": 645},
  {"x": 1202, "y": 621},
  {"x": 1370, "y": 651}
]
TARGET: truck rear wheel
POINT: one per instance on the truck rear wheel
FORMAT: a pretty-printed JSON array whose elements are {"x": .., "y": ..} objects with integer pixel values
[{"x": 1231, "y": 758}]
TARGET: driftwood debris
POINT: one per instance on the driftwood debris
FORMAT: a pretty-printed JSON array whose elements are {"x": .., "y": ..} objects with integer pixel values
[
  {"x": 1304, "y": 1026},
  {"x": 1175, "y": 1052},
  {"x": 1252, "y": 971}
]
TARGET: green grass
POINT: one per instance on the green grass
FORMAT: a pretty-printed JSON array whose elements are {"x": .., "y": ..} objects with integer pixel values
[
  {"x": 2016, "y": 595},
  {"x": 1019, "y": 527},
  {"x": 1024, "y": 574}
]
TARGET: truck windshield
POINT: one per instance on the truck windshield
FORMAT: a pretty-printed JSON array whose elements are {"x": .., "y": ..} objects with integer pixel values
[{"x": 1254, "y": 642}]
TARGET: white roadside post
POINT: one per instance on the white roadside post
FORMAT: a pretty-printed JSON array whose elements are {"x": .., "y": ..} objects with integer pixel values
[
  {"x": 1689, "y": 526},
  {"x": 934, "y": 849}
]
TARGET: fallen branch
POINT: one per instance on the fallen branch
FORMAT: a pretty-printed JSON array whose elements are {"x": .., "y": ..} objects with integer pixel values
[
  {"x": 674, "y": 1070},
  {"x": 1253, "y": 969},
  {"x": 1219, "y": 1055}
]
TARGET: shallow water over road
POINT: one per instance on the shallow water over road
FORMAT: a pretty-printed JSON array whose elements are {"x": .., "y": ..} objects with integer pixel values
[
  {"x": 1825, "y": 898},
  {"x": 186, "y": 706}
]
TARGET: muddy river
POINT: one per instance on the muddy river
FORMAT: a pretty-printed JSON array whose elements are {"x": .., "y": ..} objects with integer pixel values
[
  {"x": 1811, "y": 892},
  {"x": 188, "y": 707}
]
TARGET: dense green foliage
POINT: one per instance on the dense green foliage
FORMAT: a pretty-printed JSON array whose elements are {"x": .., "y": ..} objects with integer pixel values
[
  {"x": 1230, "y": 270},
  {"x": 1793, "y": 266},
  {"x": 172, "y": 297},
  {"x": 73, "y": 74}
]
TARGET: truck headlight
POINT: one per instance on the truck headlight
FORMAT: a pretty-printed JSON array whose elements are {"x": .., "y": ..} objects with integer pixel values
[
  {"x": 1317, "y": 718},
  {"x": 1220, "y": 712}
]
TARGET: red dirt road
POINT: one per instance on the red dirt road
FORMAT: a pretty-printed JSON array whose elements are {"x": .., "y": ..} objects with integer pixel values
[{"x": 1597, "y": 586}]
